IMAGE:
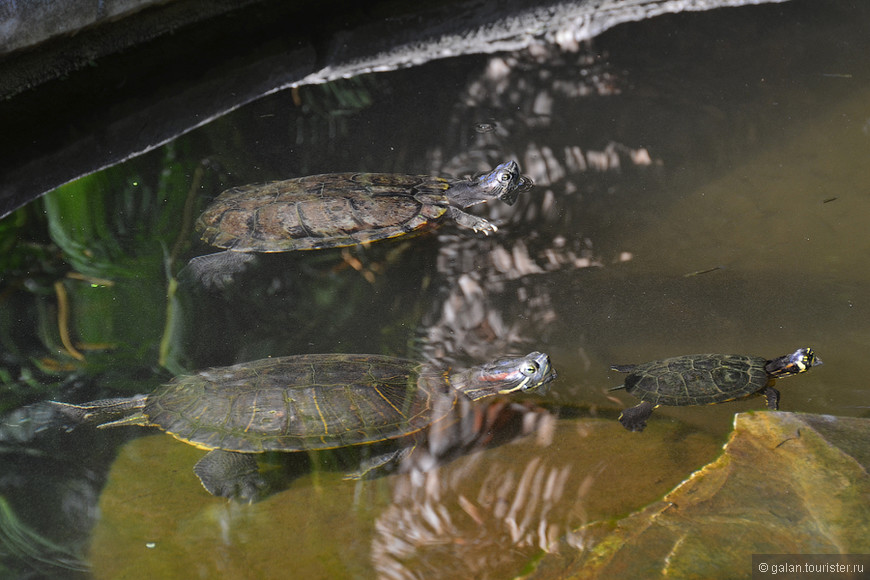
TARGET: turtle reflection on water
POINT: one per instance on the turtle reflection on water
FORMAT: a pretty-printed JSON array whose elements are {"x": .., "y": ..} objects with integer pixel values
[
  {"x": 305, "y": 402},
  {"x": 704, "y": 379},
  {"x": 343, "y": 209}
]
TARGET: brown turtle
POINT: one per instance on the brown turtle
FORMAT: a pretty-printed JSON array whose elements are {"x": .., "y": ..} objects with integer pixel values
[{"x": 342, "y": 209}]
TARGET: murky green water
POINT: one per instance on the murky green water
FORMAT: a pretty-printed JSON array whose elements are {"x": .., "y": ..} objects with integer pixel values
[{"x": 702, "y": 186}]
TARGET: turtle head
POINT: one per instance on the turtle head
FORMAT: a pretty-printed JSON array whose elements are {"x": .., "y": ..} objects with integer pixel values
[
  {"x": 801, "y": 360},
  {"x": 506, "y": 376},
  {"x": 504, "y": 183}
]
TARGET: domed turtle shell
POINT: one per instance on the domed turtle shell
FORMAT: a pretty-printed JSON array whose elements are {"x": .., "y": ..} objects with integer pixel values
[
  {"x": 314, "y": 401},
  {"x": 704, "y": 379},
  {"x": 345, "y": 209},
  {"x": 301, "y": 402},
  {"x": 293, "y": 403},
  {"x": 699, "y": 379}
]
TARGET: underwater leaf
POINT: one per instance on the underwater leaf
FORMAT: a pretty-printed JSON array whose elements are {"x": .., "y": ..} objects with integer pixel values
[{"x": 22, "y": 543}]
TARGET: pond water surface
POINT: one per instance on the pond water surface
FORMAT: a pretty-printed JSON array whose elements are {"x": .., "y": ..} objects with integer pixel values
[{"x": 701, "y": 186}]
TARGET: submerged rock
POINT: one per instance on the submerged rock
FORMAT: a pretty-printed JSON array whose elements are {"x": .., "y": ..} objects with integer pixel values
[
  {"x": 787, "y": 483},
  {"x": 486, "y": 514}
]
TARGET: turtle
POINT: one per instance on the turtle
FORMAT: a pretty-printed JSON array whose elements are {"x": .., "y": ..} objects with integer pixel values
[
  {"x": 343, "y": 209},
  {"x": 304, "y": 402},
  {"x": 704, "y": 379}
]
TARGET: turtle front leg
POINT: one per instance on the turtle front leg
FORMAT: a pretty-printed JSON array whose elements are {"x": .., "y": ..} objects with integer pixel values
[
  {"x": 466, "y": 220},
  {"x": 230, "y": 474},
  {"x": 772, "y": 396},
  {"x": 634, "y": 418}
]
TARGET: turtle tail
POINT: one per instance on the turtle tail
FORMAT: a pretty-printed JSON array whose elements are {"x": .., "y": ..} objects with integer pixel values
[
  {"x": 621, "y": 369},
  {"x": 99, "y": 411}
]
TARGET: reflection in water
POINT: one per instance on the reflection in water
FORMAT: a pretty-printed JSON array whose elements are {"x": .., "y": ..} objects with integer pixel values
[
  {"x": 22, "y": 543},
  {"x": 498, "y": 506},
  {"x": 422, "y": 534},
  {"x": 46, "y": 498},
  {"x": 664, "y": 155},
  {"x": 493, "y": 297},
  {"x": 434, "y": 526}
]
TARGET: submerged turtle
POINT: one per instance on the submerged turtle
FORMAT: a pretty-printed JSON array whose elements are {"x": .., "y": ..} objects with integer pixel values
[
  {"x": 303, "y": 402},
  {"x": 704, "y": 379},
  {"x": 343, "y": 209}
]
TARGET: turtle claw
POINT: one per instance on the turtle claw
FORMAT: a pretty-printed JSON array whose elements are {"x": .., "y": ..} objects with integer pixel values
[{"x": 485, "y": 229}]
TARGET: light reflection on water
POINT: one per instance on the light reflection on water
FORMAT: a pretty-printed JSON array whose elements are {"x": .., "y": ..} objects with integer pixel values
[
  {"x": 700, "y": 155},
  {"x": 482, "y": 513}
]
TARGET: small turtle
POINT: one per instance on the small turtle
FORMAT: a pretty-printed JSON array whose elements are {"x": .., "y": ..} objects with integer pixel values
[
  {"x": 704, "y": 379},
  {"x": 303, "y": 402}
]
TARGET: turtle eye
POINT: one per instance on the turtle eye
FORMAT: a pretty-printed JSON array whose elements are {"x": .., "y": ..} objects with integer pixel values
[
  {"x": 504, "y": 177},
  {"x": 531, "y": 368}
]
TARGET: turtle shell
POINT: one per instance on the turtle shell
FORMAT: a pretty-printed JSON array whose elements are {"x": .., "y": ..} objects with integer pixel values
[
  {"x": 300, "y": 402},
  {"x": 699, "y": 379},
  {"x": 322, "y": 211}
]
